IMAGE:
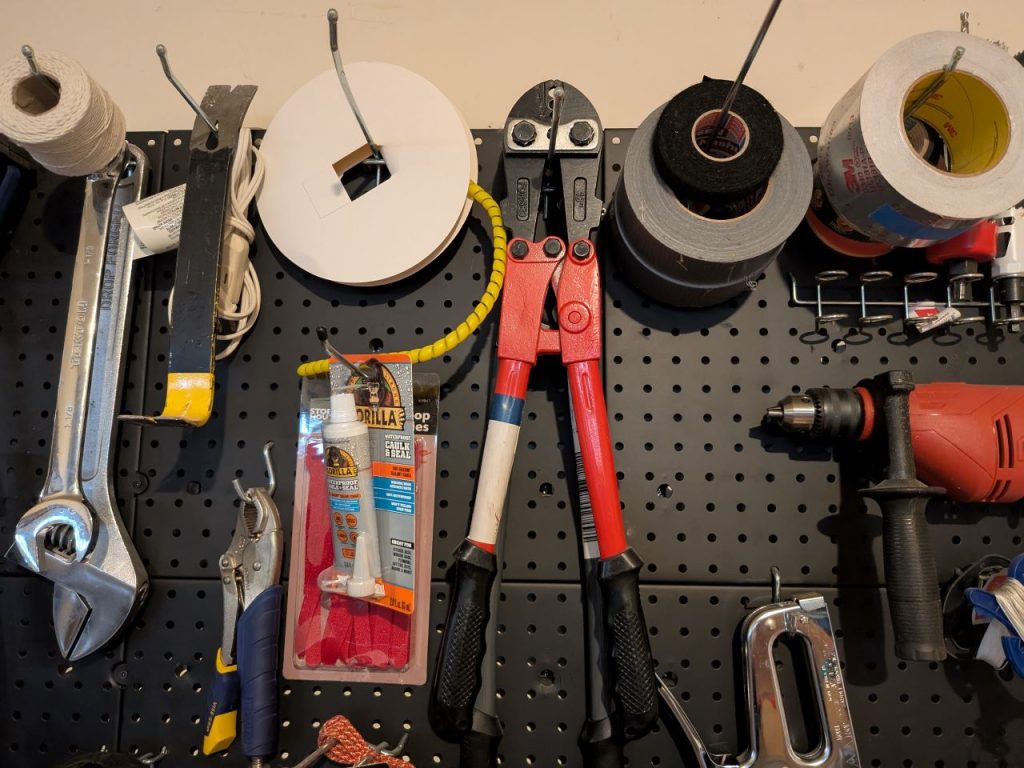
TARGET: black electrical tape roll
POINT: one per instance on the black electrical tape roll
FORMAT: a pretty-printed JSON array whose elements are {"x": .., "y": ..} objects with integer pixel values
[{"x": 695, "y": 177}]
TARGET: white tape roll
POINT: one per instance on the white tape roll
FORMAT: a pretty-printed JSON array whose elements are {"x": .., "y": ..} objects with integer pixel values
[
  {"x": 880, "y": 185},
  {"x": 388, "y": 232},
  {"x": 79, "y": 132}
]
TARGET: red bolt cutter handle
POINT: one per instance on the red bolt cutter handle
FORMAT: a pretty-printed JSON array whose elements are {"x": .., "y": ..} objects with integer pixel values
[{"x": 531, "y": 269}]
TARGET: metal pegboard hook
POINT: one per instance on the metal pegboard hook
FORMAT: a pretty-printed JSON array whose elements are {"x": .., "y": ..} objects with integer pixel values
[
  {"x": 339, "y": 67},
  {"x": 776, "y": 584},
  {"x": 332, "y": 351},
  {"x": 33, "y": 67},
  {"x": 150, "y": 759},
  {"x": 246, "y": 495},
  {"x": 161, "y": 51}
]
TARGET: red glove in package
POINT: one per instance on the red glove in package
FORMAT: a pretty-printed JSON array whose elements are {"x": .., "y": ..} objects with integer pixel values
[{"x": 330, "y": 635}]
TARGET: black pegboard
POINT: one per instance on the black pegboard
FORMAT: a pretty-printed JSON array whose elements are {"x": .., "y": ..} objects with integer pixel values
[{"x": 706, "y": 555}]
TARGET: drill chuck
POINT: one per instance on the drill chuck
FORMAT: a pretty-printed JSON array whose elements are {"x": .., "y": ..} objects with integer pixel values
[{"x": 821, "y": 413}]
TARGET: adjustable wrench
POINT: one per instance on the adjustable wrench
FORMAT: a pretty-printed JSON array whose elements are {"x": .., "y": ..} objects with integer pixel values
[
  {"x": 60, "y": 522},
  {"x": 96, "y": 594}
]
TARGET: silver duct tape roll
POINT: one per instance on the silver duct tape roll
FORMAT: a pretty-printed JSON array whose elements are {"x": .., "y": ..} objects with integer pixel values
[
  {"x": 677, "y": 257},
  {"x": 875, "y": 179}
]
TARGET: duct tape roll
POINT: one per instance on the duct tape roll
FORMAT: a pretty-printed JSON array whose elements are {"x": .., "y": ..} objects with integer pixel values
[
  {"x": 877, "y": 180},
  {"x": 76, "y": 131},
  {"x": 678, "y": 257},
  {"x": 395, "y": 228},
  {"x": 717, "y": 169}
]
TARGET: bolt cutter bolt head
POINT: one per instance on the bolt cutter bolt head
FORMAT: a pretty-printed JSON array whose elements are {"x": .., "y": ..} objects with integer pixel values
[
  {"x": 524, "y": 133},
  {"x": 553, "y": 247},
  {"x": 519, "y": 249},
  {"x": 581, "y": 249},
  {"x": 581, "y": 133}
]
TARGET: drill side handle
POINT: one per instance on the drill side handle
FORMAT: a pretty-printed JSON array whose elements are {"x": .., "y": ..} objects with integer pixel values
[
  {"x": 911, "y": 580},
  {"x": 912, "y": 584}
]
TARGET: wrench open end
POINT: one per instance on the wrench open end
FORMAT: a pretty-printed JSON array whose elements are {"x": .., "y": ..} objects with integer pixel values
[{"x": 59, "y": 527}]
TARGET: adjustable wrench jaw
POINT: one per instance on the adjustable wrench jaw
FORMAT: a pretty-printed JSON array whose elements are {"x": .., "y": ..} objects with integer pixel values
[{"x": 57, "y": 529}]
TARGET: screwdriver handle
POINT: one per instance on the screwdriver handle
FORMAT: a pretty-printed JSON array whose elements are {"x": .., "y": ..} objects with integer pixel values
[
  {"x": 259, "y": 632},
  {"x": 633, "y": 685},
  {"x": 463, "y": 643},
  {"x": 222, "y": 712}
]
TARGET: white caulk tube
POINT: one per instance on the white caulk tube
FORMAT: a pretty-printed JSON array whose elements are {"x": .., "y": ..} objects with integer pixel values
[{"x": 350, "y": 497}]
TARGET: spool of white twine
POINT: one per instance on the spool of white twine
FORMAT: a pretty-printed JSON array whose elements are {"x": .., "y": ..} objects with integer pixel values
[{"x": 77, "y": 132}]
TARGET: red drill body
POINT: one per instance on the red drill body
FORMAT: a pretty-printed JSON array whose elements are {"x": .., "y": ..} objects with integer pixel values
[{"x": 969, "y": 439}]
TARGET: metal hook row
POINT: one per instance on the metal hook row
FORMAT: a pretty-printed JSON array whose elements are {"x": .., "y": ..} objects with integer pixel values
[{"x": 863, "y": 304}]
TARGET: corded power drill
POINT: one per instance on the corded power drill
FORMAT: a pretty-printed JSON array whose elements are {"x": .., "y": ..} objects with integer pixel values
[{"x": 964, "y": 440}]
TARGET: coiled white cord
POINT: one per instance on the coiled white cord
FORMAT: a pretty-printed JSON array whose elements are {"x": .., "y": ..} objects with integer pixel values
[
  {"x": 246, "y": 178},
  {"x": 78, "y": 132}
]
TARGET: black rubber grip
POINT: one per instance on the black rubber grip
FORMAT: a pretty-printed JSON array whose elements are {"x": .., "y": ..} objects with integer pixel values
[
  {"x": 633, "y": 684},
  {"x": 479, "y": 746},
  {"x": 457, "y": 673},
  {"x": 911, "y": 580},
  {"x": 599, "y": 746}
]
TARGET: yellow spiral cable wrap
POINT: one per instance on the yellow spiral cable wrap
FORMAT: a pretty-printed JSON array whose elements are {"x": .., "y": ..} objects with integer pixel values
[{"x": 480, "y": 311}]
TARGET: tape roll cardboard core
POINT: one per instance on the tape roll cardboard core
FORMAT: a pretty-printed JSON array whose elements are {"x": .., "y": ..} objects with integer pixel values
[
  {"x": 33, "y": 98},
  {"x": 970, "y": 117},
  {"x": 729, "y": 144}
]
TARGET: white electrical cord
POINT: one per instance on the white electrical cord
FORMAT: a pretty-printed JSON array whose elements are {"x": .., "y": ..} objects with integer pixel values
[{"x": 245, "y": 182}]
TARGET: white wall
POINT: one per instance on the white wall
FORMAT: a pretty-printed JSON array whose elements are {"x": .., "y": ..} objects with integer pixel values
[{"x": 628, "y": 56}]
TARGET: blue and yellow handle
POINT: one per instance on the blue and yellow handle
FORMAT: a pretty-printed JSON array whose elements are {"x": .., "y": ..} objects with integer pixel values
[{"x": 222, "y": 715}]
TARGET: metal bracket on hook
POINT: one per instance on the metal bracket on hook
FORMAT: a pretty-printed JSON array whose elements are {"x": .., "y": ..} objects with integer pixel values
[
  {"x": 33, "y": 67},
  {"x": 161, "y": 51}
]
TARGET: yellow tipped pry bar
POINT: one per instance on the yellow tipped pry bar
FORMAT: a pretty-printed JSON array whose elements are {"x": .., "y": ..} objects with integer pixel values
[{"x": 194, "y": 315}]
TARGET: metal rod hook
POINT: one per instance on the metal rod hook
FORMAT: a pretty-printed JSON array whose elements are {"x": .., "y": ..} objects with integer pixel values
[
  {"x": 151, "y": 759},
  {"x": 332, "y": 351},
  {"x": 161, "y": 51},
  {"x": 33, "y": 67},
  {"x": 339, "y": 67},
  {"x": 723, "y": 114},
  {"x": 246, "y": 495}
]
